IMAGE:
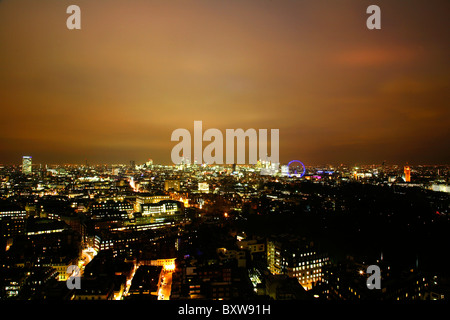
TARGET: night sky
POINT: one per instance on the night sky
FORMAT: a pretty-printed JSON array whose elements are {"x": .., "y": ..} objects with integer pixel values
[{"x": 137, "y": 70}]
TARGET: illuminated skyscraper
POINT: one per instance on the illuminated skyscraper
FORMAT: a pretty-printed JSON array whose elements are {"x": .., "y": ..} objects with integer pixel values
[
  {"x": 26, "y": 165},
  {"x": 407, "y": 171}
]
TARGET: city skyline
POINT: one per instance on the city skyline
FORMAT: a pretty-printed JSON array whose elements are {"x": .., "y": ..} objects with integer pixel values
[
  {"x": 134, "y": 163},
  {"x": 115, "y": 90},
  {"x": 193, "y": 233}
]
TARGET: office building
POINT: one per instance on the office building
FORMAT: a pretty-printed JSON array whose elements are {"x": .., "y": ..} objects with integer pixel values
[
  {"x": 102, "y": 209},
  {"x": 26, "y": 165},
  {"x": 147, "y": 198},
  {"x": 165, "y": 208},
  {"x": 203, "y": 187},
  {"x": 296, "y": 258}
]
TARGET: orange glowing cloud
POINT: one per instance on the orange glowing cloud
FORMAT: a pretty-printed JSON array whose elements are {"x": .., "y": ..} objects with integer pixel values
[{"x": 375, "y": 57}]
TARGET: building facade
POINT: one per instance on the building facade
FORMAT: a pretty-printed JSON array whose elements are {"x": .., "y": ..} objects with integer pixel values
[{"x": 298, "y": 259}]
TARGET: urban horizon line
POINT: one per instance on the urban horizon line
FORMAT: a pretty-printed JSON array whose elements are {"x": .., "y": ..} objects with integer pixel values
[{"x": 128, "y": 163}]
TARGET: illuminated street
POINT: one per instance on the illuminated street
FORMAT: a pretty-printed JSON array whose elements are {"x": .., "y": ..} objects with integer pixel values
[
  {"x": 128, "y": 283},
  {"x": 166, "y": 286},
  {"x": 86, "y": 256}
]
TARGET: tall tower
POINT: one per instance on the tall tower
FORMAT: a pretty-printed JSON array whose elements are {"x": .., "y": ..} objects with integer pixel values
[
  {"x": 26, "y": 165},
  {"x": 407, "y": 171}
]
